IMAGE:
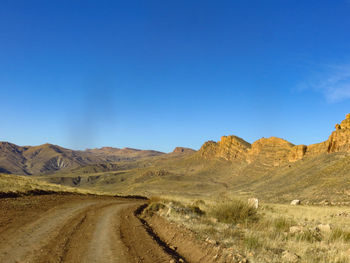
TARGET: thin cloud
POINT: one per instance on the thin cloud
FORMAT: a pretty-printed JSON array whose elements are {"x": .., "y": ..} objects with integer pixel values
[{"x": 332, "y": 81}]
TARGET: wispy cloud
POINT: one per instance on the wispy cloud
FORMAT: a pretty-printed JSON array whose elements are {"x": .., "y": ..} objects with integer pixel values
[{"x": 332, "y": 81}]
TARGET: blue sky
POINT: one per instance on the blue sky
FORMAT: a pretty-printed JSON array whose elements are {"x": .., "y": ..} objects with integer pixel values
[{"x": 160, "y": 74}]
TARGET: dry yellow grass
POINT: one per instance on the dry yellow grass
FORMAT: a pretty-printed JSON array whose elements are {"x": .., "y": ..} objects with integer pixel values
[
  {"x": 16, "y": 184},
  {"x": 270, "y": 238}
]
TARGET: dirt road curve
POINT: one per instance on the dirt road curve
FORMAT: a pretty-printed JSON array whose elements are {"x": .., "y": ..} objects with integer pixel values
[{"x": 62, "y": 228}]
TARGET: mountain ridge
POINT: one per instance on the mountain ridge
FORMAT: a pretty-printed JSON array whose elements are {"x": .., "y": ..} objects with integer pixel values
[
  {"x": 48, "y": 158},
  {"x": 274, "y": 150}
]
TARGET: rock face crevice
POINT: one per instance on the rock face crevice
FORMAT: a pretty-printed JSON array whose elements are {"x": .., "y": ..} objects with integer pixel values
[{"x": 275, "y": 151}]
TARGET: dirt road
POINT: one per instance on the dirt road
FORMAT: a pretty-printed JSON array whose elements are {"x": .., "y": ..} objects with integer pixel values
[{"x": 73, "y": 228}]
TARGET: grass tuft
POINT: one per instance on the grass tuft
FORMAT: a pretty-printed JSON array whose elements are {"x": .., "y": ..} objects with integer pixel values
[
  {"x": 309, "y": 236},
  {"x": 233, "y": 212},
  {"x": 252, "y": 242},
  {"x": 339, "y": 234}
]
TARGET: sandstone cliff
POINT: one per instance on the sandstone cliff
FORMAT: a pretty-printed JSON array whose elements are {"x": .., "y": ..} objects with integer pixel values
[
  {"x": 339, "y": 141},
  {"x": 270, "y": 151},
  {"x": 229, "y": 148},
  {"x": 275, "y": 151}
]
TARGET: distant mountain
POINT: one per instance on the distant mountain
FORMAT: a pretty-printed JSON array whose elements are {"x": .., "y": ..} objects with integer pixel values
[
  {"x": 116, "y": 154},
  {"x": 48, "y": 158},
  {"x": 182, "y": 150},
  {"x": 275, "y": 151}
]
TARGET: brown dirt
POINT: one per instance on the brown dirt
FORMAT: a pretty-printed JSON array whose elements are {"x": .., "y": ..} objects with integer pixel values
[
  {"x": 186, "y": 243},
  {"x": 74, "y": 228}
]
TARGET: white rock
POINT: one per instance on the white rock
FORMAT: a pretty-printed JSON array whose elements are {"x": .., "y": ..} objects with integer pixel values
[
  {"x": 296, "y": 229},
  {"x": 324, "y": 228},
  {"x": 254, "y": 202},
  {"x": 290, "y": 257},
  {"x": 295, "y": 202}
]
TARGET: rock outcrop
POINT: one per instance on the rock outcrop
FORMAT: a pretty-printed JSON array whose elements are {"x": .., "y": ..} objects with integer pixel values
[
  {"x": 339, "y": 141},
  {"x": 270, "y": 151},
  {"x": 297, "y": 153},
  {"x": 275, "y": 151},
  {"x": 229, "y": 148}
]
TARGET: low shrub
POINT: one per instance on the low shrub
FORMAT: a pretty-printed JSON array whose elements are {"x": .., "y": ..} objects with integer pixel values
[
  {"x": 196, "y": 210},
  {"x": 233, "y": 212},
  {"x": 154, "y": 207},
  {"x": 191, "y": 209}
]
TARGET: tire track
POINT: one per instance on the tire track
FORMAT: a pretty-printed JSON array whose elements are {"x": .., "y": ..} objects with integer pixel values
[
  {"x": 91, "y": 230},
  {"x": 26, "y": 242}
]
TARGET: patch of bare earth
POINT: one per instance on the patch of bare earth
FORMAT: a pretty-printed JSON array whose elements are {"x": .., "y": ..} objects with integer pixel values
[{"x": 190, "y": 247}]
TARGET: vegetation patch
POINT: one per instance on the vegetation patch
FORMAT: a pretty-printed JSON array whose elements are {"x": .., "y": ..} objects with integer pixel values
[
  {"x": 340, "y": 234},
  {"x": 233, "y": 212},
  {"x": 272, "y": 233}
]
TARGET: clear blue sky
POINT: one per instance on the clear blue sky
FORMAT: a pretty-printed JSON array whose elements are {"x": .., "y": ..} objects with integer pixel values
[{"x": 160, "y": 74}]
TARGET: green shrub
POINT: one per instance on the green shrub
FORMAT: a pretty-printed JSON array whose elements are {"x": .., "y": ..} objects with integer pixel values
[{"x": 235, "y": 211}]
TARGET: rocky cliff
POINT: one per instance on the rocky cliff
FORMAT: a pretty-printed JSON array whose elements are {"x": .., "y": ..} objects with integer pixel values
[
  {"x": 270, "y": 151},
  {"x": 275, "y": 151},
  {"x": 229, "y": 148},
  {"x": 339, "y": 141}
]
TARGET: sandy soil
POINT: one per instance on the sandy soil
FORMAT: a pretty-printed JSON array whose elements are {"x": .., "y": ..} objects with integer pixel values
[{"x": 73, "y": 228}]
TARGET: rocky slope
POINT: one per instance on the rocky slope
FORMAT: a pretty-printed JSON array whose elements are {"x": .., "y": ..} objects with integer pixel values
[
  {"x": 275, "y": 151},
  {"x": 49, "y": 158}
]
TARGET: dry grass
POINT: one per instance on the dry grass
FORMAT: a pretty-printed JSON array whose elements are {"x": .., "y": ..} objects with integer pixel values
[
  {"x": 266, "y": 236},
  {"x": 310, "y": 180},
  {"x": 16, "y": 184},
  {"x": 233, "y": 212}
]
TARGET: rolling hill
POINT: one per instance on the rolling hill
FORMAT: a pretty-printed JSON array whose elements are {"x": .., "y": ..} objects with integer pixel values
[{"x": 48, "y": 158}]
